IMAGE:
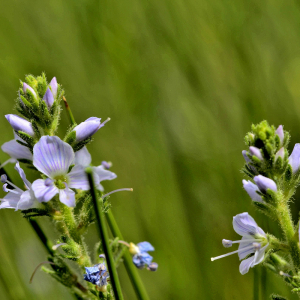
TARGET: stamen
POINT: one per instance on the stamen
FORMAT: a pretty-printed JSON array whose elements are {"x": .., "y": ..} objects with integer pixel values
[
  {"x": 3, "y": 178},
  {"x": 119, "y": 190},
  {"x": 10, "y": 160},
  {"x": 6, "y": 190},
  {"x": 102, "y": 124},
  {"x": 230, "y": 253},
  {"x": 124, "y": 243},
  {"x": 55, "y": 247},
  {"x": 226, "y": 243},
  {"x": 285, "y": 274},
  {"x": 10, "y": 183}
]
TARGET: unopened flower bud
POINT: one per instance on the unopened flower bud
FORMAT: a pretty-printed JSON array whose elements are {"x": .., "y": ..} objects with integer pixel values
[
  {"x": 280, "y": 133},
  {"x": 20, "y": 124},
  {"x": 26, "y": 88},
  {"x": 53, "y": 85},
  {"x": 48, "y": 98},
  {"x": 152, "y": 267},
  {"x": 252, "y": 189},
  {"x": 280, "y": 153},
  {"x": 87, "y": 128},
  {"x": 265, "y": 183},
  {"x": 247, "y": 159},
  {"x": 256, "y": 152},
  {"x": 294, "y": 159}
]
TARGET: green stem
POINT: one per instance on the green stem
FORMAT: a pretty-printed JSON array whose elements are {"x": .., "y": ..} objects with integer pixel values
[
  {"x": 104, "y": 238},
  {"x": 289, "y": 231},
  {"x": 72, "y": 120},
  {"x": 131, "y": 269},
  {"x": 40, "y": 233}
]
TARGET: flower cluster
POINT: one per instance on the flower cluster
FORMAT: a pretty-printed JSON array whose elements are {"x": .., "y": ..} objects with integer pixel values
[
  {"x": 62, "y": 183},
  {"x": 273, "y": 176}
]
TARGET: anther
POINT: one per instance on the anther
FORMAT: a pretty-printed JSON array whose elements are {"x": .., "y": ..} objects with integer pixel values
[
  {"x": 226, "y": 243},
  {"x": 106, "y": 165},
  {"x": 48, "y": 182},
  {"x": 3, "y": 178},
  {"x": 119, "y": 190},
  {"x": 152, "y": 267}
]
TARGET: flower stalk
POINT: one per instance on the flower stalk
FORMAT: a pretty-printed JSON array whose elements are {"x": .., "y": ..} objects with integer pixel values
[{"x": 103, "y": 234}]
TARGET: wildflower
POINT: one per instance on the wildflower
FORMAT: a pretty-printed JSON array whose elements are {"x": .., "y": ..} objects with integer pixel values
[
  {"x": 265, "y": 183},
  {"x": 17, "y": 198},
  {"x": 83, "y": 158},
  {"x": 87, "y": 128},
  {"x": 54, "y": 158},
  {"x": 97, "y": 275},
  {"x": 294, "y": 159},
  {"x": 141, "y": 258},
  {"x": 16, "y": 150},
  {"x": 252, "y": 190},
  {"x": 20, "y": 124},
  {"x": 254, "y": 241},
  {"x": 279, "y": 153}
]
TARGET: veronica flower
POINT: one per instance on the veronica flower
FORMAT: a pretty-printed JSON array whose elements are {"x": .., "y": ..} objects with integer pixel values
[
  {"x": 264, "y": 183},
  {"x": 53, "y": 158},
  {"x": 97, "y": 275},
  {"x": 141, "y": 258},
  {"x": 88, "y": 128},
  {"x": 252, "y": 190},
  {"x": 83, "y": 158},
  {"x": 53, "y": 86},
  {"x": 256, "y": 152},
  {"x": 17, "y": 198},
  {"x": 15, "y": 150},
  {"x": 20, "y": 124},
  {"x": 254, "y": 241},
  {"x": 280, "y": 133}
]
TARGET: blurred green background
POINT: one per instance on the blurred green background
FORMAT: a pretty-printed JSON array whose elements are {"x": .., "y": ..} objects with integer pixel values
[{"x": 182, "y": 82}]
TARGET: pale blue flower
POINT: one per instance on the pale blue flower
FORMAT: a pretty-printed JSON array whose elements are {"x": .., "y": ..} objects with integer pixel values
[
  {"x": 141, "y": 258},
  {"x": 254, "y": 241},
  {"x": 16, "y": 150},
  {"x": 97, "y": 275},
  {"x": 84, "y": 158},
  {"x": 53, "y": 85},
  {"x": 254, "y": 151},
  {"x": 280, "y": 133},
  {"x": 53, "y": 158},
  {"x": 20, "y": 124},
  {"x": 17, "y": 198}
]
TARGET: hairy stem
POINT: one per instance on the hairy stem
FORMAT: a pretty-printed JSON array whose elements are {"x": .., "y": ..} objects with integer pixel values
[
  {"x": 104, "y": 238},
  {"x": 130, "y": 268}
]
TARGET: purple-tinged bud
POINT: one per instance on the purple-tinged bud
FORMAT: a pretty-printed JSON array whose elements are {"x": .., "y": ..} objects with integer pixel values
[
  {"x": 152, "y": 267},
  {"x": 256, "y": 152},
  {"x": 27, "y": 88},
  {"x": 252, "y": 189},
  {"x": 20, "y": 124},
  {"x": 102, "y": 256},
  {"x": 53, "y": 85},
  {"x": 247, "y": 159},
  {"x": 3, "y": 178},
  {"x": 280, "y": 133},
  {"x": 294, "y": 159},
  {"x": 226, "y": 243},
  {"x": 48, "y": 98},
  {"x": 265, "y": 183},
  {"x": 280, "y": 153},
  {"x": 87, "y": 128}
]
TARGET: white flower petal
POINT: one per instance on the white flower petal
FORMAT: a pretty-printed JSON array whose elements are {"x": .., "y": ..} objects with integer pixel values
[
  {"x": 79, "y": 180},
  {"x": 246, "y": 264},
  {"x": 15, "y": 150},
  {"x": 42, "y": 192},
  {"x": 83, "y": 157},
  {"x": 67, "y": 197},
  {"x": 27, "y": 201}
]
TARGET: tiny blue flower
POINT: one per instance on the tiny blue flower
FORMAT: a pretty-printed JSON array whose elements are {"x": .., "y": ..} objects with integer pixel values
[
  {"x": 141, "y": 258},
  {"x": 97, "y": 275}
]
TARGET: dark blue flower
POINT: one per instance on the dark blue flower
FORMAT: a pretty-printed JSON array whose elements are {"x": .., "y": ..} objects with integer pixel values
[
  {"x": 141, "y": 258},
  {"x": 96, "y": 275}
]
